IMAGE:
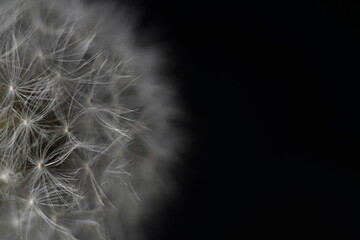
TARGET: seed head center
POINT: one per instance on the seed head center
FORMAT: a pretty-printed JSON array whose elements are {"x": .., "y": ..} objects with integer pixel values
[{"x": 32, "y": 202}]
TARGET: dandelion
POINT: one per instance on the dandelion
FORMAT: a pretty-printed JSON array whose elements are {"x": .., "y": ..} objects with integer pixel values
[{"x": 84, "y": 123}]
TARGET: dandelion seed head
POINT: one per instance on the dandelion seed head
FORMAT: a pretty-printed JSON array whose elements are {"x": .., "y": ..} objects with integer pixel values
[{"x": 84, "y": 124}]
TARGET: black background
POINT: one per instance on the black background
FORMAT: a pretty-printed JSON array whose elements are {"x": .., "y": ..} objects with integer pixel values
[{"x": 271, "y": 93}]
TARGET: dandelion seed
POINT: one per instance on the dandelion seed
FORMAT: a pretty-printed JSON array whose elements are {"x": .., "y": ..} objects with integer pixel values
[
  {"x": 87, "y": 166},
  {"x": 58, "y": 75},
  {"x": 15, "y": 222},
  {"x": 54, "y": 218},
  {"x": 32, "y": 202},
  {"x": 40, "y": 55},
  {"x": 4, "y": 177}
]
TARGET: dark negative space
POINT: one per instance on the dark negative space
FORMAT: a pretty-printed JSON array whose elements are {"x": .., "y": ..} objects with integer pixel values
[{"x": 271, "y": 92}]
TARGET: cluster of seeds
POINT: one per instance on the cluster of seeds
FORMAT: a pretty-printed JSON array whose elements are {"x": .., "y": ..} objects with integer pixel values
[{"x": 67, "y": 117}]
